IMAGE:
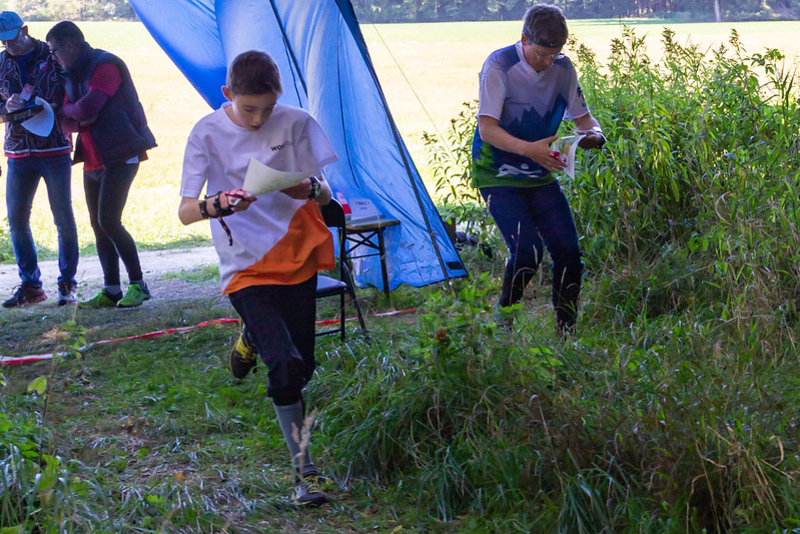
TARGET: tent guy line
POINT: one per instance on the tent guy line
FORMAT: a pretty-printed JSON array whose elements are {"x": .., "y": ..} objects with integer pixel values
[{"x": 374, "y": 26}]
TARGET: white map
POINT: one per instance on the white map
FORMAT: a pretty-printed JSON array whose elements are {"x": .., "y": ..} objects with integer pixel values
[
  {"x": 261, "y": 179},
  {"x": 566, "y": 147},
  {"x": 41, "y": 124}
]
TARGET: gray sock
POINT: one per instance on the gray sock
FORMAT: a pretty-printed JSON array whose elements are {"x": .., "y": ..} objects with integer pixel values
[
  {"x": 290, "y": 418},
  {"x": 113, "y": 290}
]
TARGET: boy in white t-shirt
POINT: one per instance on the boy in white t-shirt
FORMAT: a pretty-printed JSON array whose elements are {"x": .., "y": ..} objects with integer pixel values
[{"x": 269, "y": 248}]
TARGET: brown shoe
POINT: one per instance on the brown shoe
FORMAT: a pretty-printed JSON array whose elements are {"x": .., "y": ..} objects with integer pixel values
[{"x": 25, "y": 295}]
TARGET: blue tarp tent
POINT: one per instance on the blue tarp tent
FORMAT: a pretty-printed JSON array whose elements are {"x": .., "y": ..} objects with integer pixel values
[{"x": 326, "y": 69}]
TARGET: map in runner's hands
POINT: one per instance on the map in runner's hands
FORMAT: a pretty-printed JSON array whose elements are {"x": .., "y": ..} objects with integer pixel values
[
  {"x": 41, "y": 123},
  {"x": 564, "y": 148},
  {"x": 21, "y": 114},
  {"x": 261, "y": 179}
]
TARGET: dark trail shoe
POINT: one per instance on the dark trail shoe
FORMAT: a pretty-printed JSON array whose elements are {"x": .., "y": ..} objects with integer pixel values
[
  {"x": 243, "y": 356},
  {"x": 66, "y": 293},
  {"x": 25, "y": 295},
  {"x": 308, "y": 492}
]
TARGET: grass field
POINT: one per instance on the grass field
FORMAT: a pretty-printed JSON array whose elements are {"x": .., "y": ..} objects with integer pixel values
[{"x": 426, "y": 70}]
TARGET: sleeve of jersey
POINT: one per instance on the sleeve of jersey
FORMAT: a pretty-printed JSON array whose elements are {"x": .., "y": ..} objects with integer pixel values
[
  {"x": 195, "y": 163},
  {"x": 314, "y": 144},
  {"x": 492, "y": 94},
  {"x": 576, "y": 107}
]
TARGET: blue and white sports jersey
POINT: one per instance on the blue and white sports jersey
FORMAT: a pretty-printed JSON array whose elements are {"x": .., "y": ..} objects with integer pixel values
[{"x": 529, "y": 105}]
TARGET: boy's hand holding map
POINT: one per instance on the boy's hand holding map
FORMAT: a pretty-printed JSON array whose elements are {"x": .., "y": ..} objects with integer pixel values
[{"x": 261, "y": 179}]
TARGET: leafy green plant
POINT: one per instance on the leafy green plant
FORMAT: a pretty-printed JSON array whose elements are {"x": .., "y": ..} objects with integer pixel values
[
  {"x": 449, "y": 158},
  {"x": 689, "y": 220},
  {"x": 440, "y": 407},
  {"x": 36, "y": 489},
  {"x": 700, "y": 173}
]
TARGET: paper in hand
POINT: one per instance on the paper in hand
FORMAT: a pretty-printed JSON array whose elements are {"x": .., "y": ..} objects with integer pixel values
[
  {"x": 41, "y": 124},
  {"x": 566, "y": 147},
  {"x": 27, "y": 92},
  {"x": 261, "y": 179}
]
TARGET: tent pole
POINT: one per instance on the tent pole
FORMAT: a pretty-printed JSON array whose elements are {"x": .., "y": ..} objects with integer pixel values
[
  {"x": 298, "y": 74},
  {"x": 357, "y": 35}
]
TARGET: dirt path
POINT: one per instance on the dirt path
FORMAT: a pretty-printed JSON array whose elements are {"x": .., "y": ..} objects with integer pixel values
[
  {"x": 182, "y": 295},
  {"x": 155, "y": 265}
]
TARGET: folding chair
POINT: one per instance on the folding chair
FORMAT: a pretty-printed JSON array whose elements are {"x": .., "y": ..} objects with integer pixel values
[{"x": 328, "y": 286}]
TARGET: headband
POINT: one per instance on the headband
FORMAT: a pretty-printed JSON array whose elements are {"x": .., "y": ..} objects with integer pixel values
[{"x": 542, "y": 42}]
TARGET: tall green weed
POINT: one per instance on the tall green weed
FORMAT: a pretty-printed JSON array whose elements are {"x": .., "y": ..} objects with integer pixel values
[
  {"x": 663, "y": 416},
  {"x": 699, "y": 176},
  {"x": 449, "y": 158},
  {"x": 36, "y": 489},
  {"x": 447, "y": 406}
]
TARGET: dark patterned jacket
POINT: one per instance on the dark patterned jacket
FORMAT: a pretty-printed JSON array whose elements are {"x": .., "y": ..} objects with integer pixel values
[{"x": 45, "y": 77}]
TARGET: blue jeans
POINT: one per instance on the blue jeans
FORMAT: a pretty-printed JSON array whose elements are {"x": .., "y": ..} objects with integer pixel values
[
  {"x": 22, "y": 181},
  {"x": 531, "y": 218}
]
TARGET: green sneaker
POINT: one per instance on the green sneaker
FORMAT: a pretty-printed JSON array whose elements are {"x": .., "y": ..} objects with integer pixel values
[
  {"x": 134, "y": 296},
  {"x": 103, "y": 299},
  {"x": 243, "y": 356}
]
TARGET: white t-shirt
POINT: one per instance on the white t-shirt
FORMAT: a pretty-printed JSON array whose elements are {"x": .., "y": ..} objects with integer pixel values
[
  {"x": 277, "y": 240},
  {"x": 529, "y": 105}
]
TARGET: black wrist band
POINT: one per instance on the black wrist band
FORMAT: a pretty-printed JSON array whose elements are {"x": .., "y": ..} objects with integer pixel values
[
  {"x": 219, "y": 212},
  {"x": 204, "y": 209},
  {"x": 602, "y": 140},
  {"x": 316, "y": 187},
  {"x": 599, "y": 131}
]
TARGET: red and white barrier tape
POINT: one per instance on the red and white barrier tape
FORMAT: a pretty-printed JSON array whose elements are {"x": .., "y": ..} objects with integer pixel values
[{"x": 13, "y": 360}]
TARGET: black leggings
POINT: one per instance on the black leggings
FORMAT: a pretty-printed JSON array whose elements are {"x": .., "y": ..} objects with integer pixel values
[
  {"x": 280, "y": 320},
  {"x": 106, "y": 195}
]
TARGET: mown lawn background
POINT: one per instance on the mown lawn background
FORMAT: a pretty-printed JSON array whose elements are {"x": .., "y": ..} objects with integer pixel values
[{"x": 426, "y": 70}]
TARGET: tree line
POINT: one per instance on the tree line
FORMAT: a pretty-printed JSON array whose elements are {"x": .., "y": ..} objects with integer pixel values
[
  {"x": 369, "y": 11},
  {"x": 680, "y": 10},
  {"x": 31, "y": 10}
]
